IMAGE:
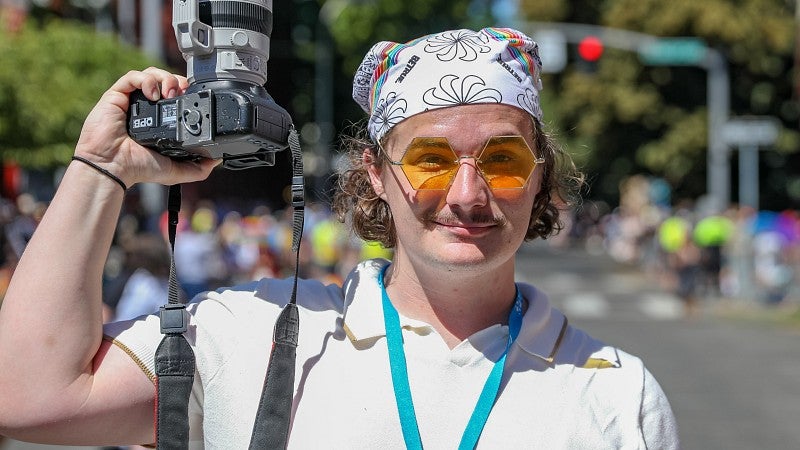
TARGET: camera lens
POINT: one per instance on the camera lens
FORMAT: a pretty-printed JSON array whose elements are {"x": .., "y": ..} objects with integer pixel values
[
  {"x": 235, "y": 14},
  {"x": 224, "y": 39}
]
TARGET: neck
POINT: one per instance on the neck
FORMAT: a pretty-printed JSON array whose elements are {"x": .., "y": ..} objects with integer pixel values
[{"x": 455, "y": 304}]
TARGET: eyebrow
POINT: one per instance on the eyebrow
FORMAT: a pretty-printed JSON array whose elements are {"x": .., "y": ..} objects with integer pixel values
[
  {"x": 495, "y": 140},
  {"x": 432, "y": 141}
]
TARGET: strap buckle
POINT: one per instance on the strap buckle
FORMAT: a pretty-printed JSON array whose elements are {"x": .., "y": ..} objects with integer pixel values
[
  {"x": 174, "y": 318},
  {"x": 298, "y": 192}
]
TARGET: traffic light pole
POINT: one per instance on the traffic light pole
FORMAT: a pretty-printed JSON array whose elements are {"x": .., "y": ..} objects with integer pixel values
[
  {"x": 718, "y": 160},
  {"x": 655, "y": 50}
]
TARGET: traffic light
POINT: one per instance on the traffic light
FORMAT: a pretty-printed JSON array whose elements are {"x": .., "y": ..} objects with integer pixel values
[{"x": 590, "y": 49}]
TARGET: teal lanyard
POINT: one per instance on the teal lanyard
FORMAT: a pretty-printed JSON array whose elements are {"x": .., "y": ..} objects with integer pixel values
[{"x": 402, "y": 391}]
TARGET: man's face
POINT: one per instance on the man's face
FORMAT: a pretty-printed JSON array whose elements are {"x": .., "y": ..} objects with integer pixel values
[{"x": 467, "y": 226}]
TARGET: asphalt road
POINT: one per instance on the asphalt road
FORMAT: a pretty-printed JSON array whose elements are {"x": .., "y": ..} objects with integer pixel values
[{"x": 732, "y": 384}]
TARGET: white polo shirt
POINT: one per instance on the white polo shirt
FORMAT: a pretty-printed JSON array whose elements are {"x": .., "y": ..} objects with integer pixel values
[{"x": 561, "y": 388}]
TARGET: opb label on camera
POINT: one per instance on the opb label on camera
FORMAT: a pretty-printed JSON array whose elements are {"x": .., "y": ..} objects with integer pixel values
[{"x": 143, "y": 122}]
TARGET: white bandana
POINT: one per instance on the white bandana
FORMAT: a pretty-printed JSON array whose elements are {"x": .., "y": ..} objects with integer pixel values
[{"x": 458, "y": 67}]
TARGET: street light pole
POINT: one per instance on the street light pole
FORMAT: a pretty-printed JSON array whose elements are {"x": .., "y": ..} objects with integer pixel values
[
  {"x": 151, "y": 32},
  {"x": 126, "y": 20},
  {"x": 718, "y": 170}
]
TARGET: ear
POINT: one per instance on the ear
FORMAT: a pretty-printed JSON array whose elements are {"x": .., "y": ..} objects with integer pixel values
[{"x": 374, "y": 170}]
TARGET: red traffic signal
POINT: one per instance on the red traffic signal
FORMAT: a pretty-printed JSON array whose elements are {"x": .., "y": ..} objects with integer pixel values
[{"x": 590, "y": 48}]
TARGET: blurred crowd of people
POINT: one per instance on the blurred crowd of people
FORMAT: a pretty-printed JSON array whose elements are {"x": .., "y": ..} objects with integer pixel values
[
  {"x": 214, "y": 247},
  {"x": 693, "y": 251},
  {"x": 18, "y": 220},
  {"x": 696, "y": 251}
]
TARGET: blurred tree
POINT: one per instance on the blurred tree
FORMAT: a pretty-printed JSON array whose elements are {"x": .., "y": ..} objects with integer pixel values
[
  {"x": 357, "y": 24},
  {"x": 53, "y": 72},
  {"x": 628, "y": 118}
]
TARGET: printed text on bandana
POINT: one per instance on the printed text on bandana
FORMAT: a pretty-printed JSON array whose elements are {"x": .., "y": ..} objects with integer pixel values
[
  {"x": 411, "y": 63},
  {"x": 508, "y": 68}
]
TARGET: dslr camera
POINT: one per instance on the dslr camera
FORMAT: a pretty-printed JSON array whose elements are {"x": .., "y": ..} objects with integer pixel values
[{"x": 226, "y": 113}]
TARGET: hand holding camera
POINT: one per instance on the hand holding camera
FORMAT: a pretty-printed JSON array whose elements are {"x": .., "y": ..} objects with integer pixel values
[
  {"x": 225, "y": 113},
  {"x": 105, "y": 142}
]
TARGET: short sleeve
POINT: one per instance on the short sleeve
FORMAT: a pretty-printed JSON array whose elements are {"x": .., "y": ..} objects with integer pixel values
[{"x": 658, "y": 426}]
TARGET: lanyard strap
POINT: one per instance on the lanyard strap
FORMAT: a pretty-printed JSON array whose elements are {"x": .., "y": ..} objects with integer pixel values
[{"x": 402, "y": 391}]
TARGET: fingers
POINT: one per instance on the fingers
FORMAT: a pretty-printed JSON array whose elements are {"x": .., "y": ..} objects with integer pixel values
[
  {"x": 155, "y": 83},
  {"x": 171, "y": 85},
  {"x": 189, "y": 171}
]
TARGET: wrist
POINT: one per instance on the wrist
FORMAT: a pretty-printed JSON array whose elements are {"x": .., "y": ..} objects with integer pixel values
[{"x": 103, "y": 171}]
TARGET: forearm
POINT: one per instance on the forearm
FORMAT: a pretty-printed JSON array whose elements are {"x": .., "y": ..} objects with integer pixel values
[
  {"x": 51, "y": 318},
  {"x": 58, "y": 383}
]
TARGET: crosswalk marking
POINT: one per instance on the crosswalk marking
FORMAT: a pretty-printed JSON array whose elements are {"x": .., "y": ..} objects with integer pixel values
[
  {"x": 593, "y": 305},
  {"x": 662, "y": 306},
  {"x": 587, "y": 305}
]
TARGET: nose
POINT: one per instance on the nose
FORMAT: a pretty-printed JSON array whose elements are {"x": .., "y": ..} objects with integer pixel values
[{"x": 468, "y": 189}]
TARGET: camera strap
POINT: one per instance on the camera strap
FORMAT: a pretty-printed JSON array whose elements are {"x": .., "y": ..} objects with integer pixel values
[
  {"x": 273, "y": 418},
  {"x": 174, "y": 359}
]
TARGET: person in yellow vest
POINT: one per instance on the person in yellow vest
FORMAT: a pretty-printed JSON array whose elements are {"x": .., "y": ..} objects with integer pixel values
[{"x": 682, "y": 259}]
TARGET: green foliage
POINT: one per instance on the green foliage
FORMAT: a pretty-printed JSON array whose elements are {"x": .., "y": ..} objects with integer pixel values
[
  {"x": 357, "y": 25},
  {"x": 52, "y": 75},
  {"x": 361, "y": 24},
  {"x": 627, "y": 118}
]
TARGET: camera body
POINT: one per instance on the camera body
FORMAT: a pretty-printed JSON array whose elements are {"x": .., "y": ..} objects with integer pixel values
[{"x": 226, "y": 113}]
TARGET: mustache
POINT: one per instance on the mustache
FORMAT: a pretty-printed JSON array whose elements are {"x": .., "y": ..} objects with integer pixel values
[{"x": 450, "y": 218}]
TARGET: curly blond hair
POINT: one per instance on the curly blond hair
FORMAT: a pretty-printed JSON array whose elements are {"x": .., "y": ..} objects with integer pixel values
[{"x": 355, "y": 202}]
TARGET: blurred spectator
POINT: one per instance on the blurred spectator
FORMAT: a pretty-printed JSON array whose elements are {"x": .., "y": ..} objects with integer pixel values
[
  {"x": 199, "y": 261},
  {"x": 711, "y": 234},
  {"x": 7, "y": 258},
  {"x": 20, "y": 228},
  {"x": 774, "y": 236},
  {"x": 328, "y": 242},
  {"x": 18, "y": 221},
  {"x": 146, "y": 289},
  {"x": 682, "y": 259}
]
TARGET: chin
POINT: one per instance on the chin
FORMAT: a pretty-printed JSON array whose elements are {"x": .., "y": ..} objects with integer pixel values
[{"x": 470, "y": 260}]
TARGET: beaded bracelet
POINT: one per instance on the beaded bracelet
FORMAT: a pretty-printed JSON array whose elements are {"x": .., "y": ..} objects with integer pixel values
[{"x": 103, "y": 171}]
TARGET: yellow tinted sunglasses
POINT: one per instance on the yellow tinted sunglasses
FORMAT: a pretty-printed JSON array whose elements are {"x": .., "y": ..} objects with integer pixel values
[{"x": 506, "y": 162}]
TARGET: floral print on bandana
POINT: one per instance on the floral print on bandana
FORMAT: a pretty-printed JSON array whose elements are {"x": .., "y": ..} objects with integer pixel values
[
  {"x": 457, "y": 67},
  {"x": 529, "y": 101},
  {"x": 462, "y": 44},
  {"x": 388, "y": 113},
  {"x": 471, "y": 89}
]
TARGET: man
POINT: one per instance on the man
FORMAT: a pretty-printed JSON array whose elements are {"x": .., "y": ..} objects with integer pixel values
[{"x": 439, "y": 348}]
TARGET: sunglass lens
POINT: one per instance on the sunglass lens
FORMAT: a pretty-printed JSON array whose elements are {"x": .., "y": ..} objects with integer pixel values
[
  {"x": 429, "y": 163},
  {"x": 507, "y": 162}
]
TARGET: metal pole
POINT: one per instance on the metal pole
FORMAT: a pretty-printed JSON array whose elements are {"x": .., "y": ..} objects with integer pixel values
[
  {"x": 718, "y": 171},
  {"x": 323, "y": 93},
  {"x": 152, "y": 42},
  {"x": 102, "y": 16},
  {"x": 126, "y": 20},
  {"x": 748, "y": 176},
  {"x": 151, "y": 38},
  {"x": 324, "y": 86}
]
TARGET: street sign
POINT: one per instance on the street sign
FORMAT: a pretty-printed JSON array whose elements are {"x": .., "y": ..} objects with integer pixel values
[
  {"x": 751, "y": 131},
  {"x": 678, "y": 51},
  {"x": 552, "y": 50}
]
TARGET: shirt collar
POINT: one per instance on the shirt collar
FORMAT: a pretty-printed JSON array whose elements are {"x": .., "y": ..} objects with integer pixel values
[
  {"x": 543, "y": 327},
  {"x": 363, "y": 314}
]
